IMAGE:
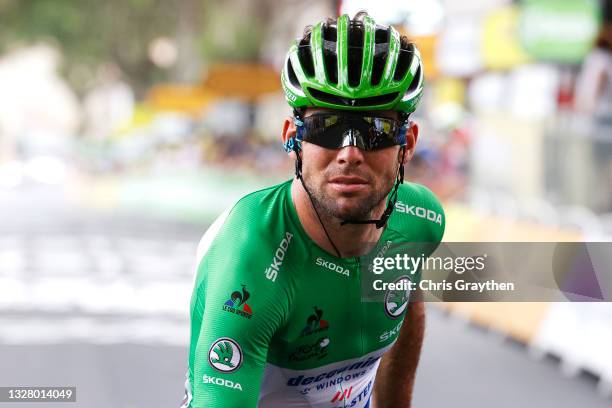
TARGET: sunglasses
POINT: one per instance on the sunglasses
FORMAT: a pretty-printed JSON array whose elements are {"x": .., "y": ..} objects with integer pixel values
[{"x": 334, "y": 131}]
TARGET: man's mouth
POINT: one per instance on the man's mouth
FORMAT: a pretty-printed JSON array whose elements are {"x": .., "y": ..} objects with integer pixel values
[{"x": 348, "y": 184}]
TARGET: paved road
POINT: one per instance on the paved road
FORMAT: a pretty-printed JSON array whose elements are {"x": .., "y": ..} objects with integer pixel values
[
  {"x": 465, "y": 366},
  {"x": 461, "y": 367},
  {"x": 99, "y": 301}
]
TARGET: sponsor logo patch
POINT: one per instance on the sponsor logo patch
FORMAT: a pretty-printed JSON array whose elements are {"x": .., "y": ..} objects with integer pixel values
[
  {"x": 222, "y": 382},
  {"x": 225, "y": 355},
  {"x": 279, "y": 255},
  {"x": 342, "y": 397},
  {"x": 390, "y": 334},
  {"x": 420, "y": 212},
  {"x": 314, "y": 323},
  {"x": 333, "y": 267},
  {"x": 397, "y": 300},
  {"x": 317, "y": 350},
  {"x": 237, "y": 303},
  {"x": 337, "y": 378}
]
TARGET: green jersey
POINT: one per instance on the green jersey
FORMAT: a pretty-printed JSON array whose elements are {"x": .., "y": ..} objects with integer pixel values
[{"x": 276, "y": 321}]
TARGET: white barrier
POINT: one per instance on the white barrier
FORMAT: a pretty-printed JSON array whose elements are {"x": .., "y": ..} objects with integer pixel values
[{"x": 581, "y": 335}]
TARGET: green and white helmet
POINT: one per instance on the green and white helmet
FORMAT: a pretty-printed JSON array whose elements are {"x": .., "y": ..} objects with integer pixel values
[{"x": 353, "y": 65}]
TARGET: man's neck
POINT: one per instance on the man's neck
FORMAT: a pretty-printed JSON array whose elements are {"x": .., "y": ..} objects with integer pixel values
[{"x": 350, "y": 239}]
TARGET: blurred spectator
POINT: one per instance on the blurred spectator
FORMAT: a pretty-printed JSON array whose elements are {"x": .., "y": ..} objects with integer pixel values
[
  {"x": 109, "y": 104},
  {"x": 594, "y": 85},
  {"x": 594, "y": 98},
  {"x": 36, "y": 105}
]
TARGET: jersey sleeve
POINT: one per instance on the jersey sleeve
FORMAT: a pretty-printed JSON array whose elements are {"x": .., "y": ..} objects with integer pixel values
[
  {"x": 434, "y": 221},
  {"x": 419, "y": 215},
  {"x": 434, "y": 214},
  {"x": 419, "y": 221},
  {"x": 235, "y": 311}
]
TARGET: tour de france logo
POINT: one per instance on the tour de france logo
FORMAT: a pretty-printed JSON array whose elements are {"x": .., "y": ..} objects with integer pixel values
[
  {"x": 225, "y": 355},
  {"x": 396, "y": 301},
  {"x": 317, "y": 349}
]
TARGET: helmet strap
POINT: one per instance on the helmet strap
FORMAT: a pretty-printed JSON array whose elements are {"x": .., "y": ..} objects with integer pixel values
[
  {"x": 382, "y": 221},
  {"x": 298, "y": 174}
]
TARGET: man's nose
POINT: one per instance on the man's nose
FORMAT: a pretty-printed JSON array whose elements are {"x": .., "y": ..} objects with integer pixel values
[{"x": 351, "y": 155}]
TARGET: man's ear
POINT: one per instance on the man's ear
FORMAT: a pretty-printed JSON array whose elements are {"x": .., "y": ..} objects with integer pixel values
[
  {"x": 289, "y": 131},
  {"x": 412, "y": 135}
]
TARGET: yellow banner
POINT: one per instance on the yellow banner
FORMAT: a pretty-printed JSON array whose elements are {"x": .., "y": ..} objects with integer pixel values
[
  {"x": 501, "y": 48},
  {"x": 427, "y": 46}
]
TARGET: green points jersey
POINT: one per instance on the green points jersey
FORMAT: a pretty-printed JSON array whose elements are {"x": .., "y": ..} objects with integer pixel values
[{"x": 276, "y": 321}]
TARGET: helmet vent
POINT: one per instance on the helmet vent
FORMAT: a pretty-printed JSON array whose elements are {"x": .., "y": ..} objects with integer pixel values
[
  {"x": 403, "y": 63},
  {"x": 330, "y": 32},
  {"x": 330, "y": 60},
  {"x": 380, "y": 58},
  {"x": 381, "y": 36},
  {"x": 355, "y": 53},
  {"x": 305, "y": 56},
  {"x": 371, "y": 101},
  {"x": 381, "y": 53},
  {"x": 330, "y": 51},
  {"x": 415, "y": 81},
  {"x": 292, "y": 77}
]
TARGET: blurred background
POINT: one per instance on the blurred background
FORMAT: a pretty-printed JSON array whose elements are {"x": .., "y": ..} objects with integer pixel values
[{"x": 127, "y": 126}]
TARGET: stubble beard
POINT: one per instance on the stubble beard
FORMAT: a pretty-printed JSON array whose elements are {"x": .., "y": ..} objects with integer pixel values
[{"x": 328, "y": 207}]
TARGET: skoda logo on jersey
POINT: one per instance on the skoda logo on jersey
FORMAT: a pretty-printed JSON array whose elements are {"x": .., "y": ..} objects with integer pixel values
[
  {"x": 273, "y": 270},
  {"x": 397, "y": 300},
  {"x": 206, "y": 379},
  {"x": 420, "y": 212},
  {"x": 225, "y": 355},
  {"x": 333, "y": 267},
  {"x": 390, "y": 334}
]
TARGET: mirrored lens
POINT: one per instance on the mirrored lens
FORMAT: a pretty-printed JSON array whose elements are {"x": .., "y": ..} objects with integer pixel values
[{"x": 365, "y": 132}]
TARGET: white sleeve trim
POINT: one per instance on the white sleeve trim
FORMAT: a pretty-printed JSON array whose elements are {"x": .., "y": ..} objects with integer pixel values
[{"x": 210, "y": 235}]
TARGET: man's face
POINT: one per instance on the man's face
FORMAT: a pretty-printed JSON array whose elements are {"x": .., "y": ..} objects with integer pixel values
[{"x": 348, "y": 183}]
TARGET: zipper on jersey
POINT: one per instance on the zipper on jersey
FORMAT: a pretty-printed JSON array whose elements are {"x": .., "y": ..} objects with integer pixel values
[{"x": 362, "y": 309}]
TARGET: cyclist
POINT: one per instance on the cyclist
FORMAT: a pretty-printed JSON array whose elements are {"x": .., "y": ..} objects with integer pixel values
[{"x": 278, "y": 317}]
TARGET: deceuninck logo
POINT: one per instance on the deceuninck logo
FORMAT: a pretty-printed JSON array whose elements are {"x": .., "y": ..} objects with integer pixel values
[
  {"x": 225, "y": 355},
  {"x": 397, "y": 300}
]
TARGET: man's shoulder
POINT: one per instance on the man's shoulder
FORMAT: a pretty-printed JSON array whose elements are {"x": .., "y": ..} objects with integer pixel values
[
  {"x": 250, "y": 223},
  {"x": 246, "y": 246},
  {"x": 415, "y": 193},
  {"x": 260, "y": 207},
  {"x": 419, "y": 211}
]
